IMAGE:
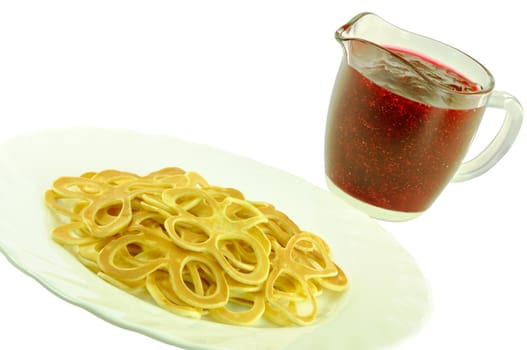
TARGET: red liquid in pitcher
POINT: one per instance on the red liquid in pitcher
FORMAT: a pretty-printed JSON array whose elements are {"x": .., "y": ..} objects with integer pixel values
[{"x": 388, "y": 143}]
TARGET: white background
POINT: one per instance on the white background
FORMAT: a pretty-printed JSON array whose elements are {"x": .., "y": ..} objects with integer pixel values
[{"x": 255, "y": 78}]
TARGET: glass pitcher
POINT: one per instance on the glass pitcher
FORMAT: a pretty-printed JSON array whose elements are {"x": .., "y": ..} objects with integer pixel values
[{"x": 402, "y": 116}]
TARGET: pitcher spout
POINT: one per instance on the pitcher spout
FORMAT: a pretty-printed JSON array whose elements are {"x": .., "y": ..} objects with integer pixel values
[{"x": 362, "y": 26}]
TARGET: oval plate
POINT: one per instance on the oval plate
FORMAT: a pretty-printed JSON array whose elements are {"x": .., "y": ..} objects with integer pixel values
[{"x": 388, "y": 298}]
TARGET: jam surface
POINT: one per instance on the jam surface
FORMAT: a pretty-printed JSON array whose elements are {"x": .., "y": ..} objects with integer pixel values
[{"x": 387, "y": 142}]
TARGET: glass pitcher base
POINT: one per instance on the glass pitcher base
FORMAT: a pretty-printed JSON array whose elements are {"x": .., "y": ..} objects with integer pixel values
[{"x": 371, "y": 210}]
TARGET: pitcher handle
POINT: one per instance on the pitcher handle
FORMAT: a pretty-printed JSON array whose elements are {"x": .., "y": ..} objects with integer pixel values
[{"x": 501, "y": 142}]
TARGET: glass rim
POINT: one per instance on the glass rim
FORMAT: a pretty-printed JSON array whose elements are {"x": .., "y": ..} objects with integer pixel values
[{"x": 343, "y": 34}]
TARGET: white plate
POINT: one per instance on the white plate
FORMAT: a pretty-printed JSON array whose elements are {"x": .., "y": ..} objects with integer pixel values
[{"x": 388, "y": 299}]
